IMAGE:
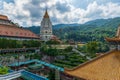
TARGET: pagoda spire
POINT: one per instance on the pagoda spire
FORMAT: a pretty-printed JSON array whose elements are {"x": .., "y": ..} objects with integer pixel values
[
  {"x": 46, "y": 27},
  {"x": 46, "y": 14}
]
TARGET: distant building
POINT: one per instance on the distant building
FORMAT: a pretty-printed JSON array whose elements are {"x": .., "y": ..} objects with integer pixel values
[
  {"x": 71, "y": 42},
  {"x": 10, "y": 30},
  {"x": 46, "y": 28},
  {"x": 55, "y": 38}
]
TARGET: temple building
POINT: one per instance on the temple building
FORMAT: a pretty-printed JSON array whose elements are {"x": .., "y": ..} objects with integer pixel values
[
  {"x": 10, "y": 30},
  {"x": 46, "y": 28},
  {"x": 103, "y": 67}
]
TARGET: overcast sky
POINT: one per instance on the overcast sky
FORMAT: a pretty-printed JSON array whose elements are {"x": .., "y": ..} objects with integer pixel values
[{"x": 30, "y": 12}]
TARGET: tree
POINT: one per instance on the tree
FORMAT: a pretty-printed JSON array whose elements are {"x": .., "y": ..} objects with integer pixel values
[
  {"x": 52, "y": 42},
  {"x": 4, "y": 70},
  {"x": 92, "y": 47},
  {"x": 68, "y": 49},
  {"x": 52, "y": 75}
]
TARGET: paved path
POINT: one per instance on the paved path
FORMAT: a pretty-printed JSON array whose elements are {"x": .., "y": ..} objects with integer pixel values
[{"x": 82, "y": 54}]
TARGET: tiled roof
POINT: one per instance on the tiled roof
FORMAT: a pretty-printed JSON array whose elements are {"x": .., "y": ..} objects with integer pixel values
[
  {"x": 104, "y": 67},
  {"x": 3, "y": 17},
  {"x": 54, "y": 37},
  {"x": 115, "y": 39},
  {"x": 14, "y": 31}
]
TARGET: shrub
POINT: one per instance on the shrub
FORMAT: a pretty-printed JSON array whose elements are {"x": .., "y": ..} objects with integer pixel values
[{"x": 4, "y": 70}]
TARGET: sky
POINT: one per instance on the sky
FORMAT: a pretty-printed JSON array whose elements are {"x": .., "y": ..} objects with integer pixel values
[{"x": 30, "y": 12}]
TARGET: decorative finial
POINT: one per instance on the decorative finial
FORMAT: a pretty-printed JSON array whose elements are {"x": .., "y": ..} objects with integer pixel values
[
  {"x": 46, "y": 14},
  {"x": 118, "y": 32}
]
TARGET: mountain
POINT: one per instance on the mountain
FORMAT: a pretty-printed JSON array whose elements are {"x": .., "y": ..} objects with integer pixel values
[
  {"x": 102, "y": 22},
  {"x": 58, "y": 26},
  {"x": 98, "y": 22},
  {"x": 36, "y": 29},
  {"x": 91, "y": 30}
]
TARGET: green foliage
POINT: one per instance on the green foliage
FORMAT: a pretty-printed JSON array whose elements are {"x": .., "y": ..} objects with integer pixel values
[
  {"x": 43, "y": 48},
  {"x": 52, "y": 42},
  {"x": 48, "y": 50},
  {"x": 51, "y": 75},
  {"x": 8, "y": 43},
  {"x": 3, "y": 70},
  {"x": 96, "y": 46},
  {"x": 90, "y": 31},
  {"x": 93, "y": 47},
  {"x": 71, "y": 60},
  {"x": 68, "y": 49},
  {"x": 35, "y": 56},
  {"x": 86, "y": 33},
  {"x": 52, "y": 52}
]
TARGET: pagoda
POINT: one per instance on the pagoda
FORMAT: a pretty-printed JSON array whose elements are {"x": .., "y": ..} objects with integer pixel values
[
  {"x": 46, "y": 28},
  {"x": 116, "y": 40}
]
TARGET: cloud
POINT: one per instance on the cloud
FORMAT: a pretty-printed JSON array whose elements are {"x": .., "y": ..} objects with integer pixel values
[
  {"x": 1, "y": 3},
  {"x": 30, "y": 12},
  {"x": 62, "y": 7}
]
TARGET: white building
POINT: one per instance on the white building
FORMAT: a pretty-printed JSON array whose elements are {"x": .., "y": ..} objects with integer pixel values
[{"x": 46, "y": 28}]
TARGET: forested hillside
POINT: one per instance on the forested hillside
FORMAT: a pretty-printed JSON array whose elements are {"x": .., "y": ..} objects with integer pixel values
[{"x": 92, "y": 30}]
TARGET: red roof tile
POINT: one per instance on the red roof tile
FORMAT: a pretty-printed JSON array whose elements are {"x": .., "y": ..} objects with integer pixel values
[
  {"x": 3, "y": 17},
  {"x": 12, "y": 30}
]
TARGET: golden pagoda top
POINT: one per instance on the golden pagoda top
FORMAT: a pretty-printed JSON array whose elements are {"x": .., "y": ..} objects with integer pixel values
[{"x": 46, "y": 14}]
